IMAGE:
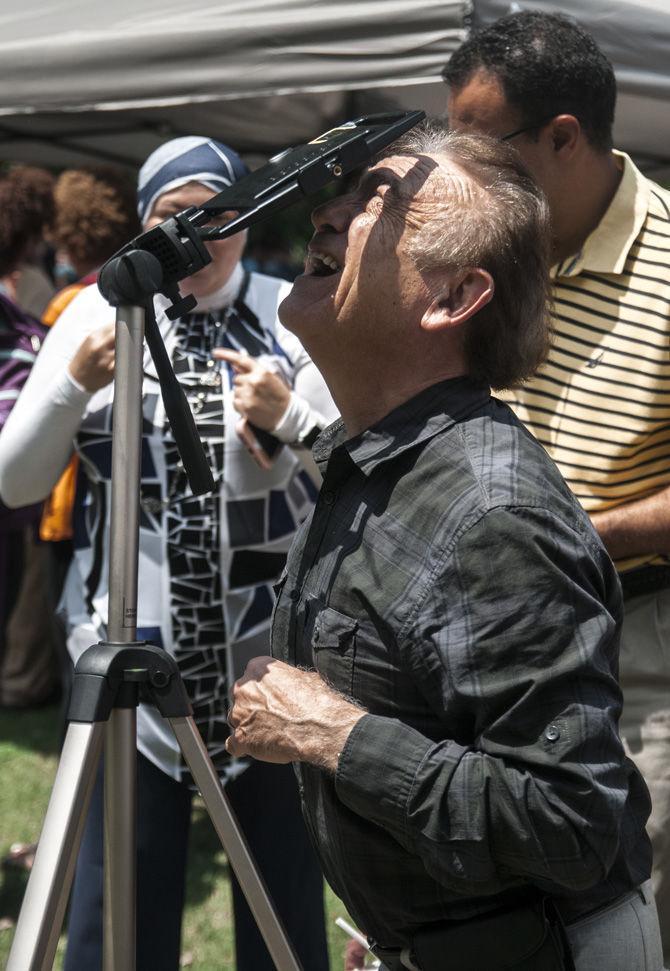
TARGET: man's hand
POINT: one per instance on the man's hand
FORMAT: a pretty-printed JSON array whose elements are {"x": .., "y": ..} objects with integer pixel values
[
  {"x": 282, "y": 714},
  {"x": 354, "y": 956},
  {"x": 259, "y": 394},
  {"x": 93, "y": 364}
]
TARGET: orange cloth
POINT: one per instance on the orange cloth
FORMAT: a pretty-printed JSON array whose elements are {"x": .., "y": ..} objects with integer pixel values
[
  {"x": 56, "y": 521},
  {"x": 59, "y": 302}
]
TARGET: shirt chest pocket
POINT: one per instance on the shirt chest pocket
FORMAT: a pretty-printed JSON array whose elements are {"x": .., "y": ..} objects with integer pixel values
[{"x": 333, "y": 648}]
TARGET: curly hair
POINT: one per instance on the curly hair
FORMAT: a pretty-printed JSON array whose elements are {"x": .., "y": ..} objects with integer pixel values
[
  {"x": 547, "y": 65},
  {"x": 26, "y": 210},
  {"x": 96, "y": 213}
]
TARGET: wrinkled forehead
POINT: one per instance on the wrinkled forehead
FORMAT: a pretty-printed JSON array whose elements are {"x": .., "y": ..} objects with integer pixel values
[{"x": 425, "y": 178}]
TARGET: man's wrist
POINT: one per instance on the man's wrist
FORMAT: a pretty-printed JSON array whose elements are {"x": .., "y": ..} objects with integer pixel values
[{"x": 324, "y": 745}]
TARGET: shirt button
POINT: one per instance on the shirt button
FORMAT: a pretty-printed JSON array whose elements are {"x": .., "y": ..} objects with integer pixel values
[
  {"x": 328, "y": 498},
  {"x": 552, "y": 734},
  {"x": 294, "y": 594}
]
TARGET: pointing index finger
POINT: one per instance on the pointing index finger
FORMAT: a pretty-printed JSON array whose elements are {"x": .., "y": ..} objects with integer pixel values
[{"x": 241, "y": 363}]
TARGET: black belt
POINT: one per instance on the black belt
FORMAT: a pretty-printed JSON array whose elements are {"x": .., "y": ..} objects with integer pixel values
[{"x": 647, "y": 579}]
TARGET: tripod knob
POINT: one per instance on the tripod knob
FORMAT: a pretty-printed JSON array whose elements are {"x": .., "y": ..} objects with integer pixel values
[
  {"x": 131, "y": 278},
  {"x": 159, "y": 679}
]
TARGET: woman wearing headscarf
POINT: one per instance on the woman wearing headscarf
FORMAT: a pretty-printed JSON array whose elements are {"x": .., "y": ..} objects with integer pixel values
[{"x": 206, "y": 563}]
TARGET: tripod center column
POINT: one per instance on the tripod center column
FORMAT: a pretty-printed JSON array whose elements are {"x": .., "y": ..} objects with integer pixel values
[{"x": 126, "y": 469}]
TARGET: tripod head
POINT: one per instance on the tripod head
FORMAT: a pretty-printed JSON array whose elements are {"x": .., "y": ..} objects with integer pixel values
[{"x": 178, "y": 243}]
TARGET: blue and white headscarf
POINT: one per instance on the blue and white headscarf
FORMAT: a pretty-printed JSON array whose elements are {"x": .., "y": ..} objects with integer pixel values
[{"x": 188, "y": 159}]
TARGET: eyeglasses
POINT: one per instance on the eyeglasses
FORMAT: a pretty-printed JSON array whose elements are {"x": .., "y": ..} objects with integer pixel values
[{"x": 521, "y": 131}]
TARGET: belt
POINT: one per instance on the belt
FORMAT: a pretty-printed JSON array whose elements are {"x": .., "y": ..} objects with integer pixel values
[{"x": 647, "y": 579}]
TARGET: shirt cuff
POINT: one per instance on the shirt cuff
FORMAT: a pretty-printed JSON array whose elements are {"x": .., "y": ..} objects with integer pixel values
[
  {"x": 297, "y": 420},
  {"x": 68, "y": 391},
  {"x": 377, "y": 767}
]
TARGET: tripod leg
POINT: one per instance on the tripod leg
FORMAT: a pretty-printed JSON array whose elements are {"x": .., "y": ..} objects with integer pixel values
[
  {"x": 41, "y": 917},
  {"x": 234, "y": 844},
  {"x": 119, "y": 933}
]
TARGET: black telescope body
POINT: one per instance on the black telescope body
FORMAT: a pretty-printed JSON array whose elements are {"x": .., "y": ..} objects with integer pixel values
[{"x": 178, "y": 243}]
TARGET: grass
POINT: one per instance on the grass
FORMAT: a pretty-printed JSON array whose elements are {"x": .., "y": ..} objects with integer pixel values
[{"x": 28, "y": 760}]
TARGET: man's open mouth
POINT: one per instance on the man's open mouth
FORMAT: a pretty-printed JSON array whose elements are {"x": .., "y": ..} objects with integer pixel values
[{"x": 321, "y": 264}]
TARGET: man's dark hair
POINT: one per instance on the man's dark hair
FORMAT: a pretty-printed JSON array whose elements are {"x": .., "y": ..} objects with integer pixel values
[
  {"x": 547, "y": 65},
  {"x": 500, "y": 224}
]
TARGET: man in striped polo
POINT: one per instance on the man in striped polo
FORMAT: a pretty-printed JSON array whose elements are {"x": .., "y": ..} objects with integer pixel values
[{"x": 601, "y": 403}]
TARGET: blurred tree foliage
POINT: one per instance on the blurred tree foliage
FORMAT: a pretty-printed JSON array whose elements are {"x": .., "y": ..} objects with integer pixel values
[{"x": 277, "y": 245}]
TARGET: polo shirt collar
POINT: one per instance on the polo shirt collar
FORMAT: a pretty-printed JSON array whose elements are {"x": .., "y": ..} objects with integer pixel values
[
  {"x": 415, "y": 421},
  {"x": 607, "y": 248}
]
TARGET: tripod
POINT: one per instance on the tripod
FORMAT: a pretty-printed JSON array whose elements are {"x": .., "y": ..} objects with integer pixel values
[{"x": 114, "y": 675}]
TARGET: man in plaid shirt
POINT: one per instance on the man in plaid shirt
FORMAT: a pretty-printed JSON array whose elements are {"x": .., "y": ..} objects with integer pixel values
[{"x": 445, "y": 636}]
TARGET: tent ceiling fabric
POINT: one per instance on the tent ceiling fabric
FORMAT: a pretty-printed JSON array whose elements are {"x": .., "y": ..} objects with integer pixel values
[
  {"x": 259, "y": 73},
  {"x": 86, "y": 79}
]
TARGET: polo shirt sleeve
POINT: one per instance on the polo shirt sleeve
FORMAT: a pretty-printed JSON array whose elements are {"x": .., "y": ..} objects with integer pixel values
[{"x": 518, "y": 633}]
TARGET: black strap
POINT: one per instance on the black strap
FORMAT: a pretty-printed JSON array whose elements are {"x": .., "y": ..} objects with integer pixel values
[
  {"x": 242, "y": 292},
  {"x": 244, "y": 311}
]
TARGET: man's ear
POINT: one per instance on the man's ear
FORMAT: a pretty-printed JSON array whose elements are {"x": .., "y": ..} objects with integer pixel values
[
  {"x": 563, "y": 133},
  {"x": 459, "y": 299}
]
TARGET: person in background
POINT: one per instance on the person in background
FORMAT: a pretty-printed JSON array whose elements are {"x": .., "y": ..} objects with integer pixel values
[
  {"x": 28, "y": 668},
  {"x": 207, "y": 564},
  {"x": 36, "y": 286},
  {"x": 95, "y": 215},
  {"x": 601, "y": 403},
  {"x": 444, "y": 644}
]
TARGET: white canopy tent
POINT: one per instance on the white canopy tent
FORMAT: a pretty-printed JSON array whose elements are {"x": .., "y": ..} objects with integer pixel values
[{"x": 83, "y": 79}]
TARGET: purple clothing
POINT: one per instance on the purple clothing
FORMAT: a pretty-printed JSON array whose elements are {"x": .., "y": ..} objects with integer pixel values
[
  {"x": 21, "y": 337},
  {"x": 27, "y": 660}
]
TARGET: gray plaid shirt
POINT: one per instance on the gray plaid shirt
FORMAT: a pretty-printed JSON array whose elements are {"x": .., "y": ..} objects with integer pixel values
[{"x": 449, "y": 582}]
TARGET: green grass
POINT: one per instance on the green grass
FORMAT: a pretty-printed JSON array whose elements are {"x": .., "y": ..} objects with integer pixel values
[{"x": 28, "y": 760}]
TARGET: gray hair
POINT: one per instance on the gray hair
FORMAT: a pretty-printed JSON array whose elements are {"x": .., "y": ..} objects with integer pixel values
[{"x": 502, "y": 226}]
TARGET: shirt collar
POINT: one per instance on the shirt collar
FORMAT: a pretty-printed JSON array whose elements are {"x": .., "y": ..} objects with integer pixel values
[
  {"x": 415, "y": 421},
  {"x": 606, "y": 248}
]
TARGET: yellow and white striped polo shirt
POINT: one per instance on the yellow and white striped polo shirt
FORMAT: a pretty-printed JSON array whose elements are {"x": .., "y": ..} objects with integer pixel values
[{"x": 601, "y": 403}]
